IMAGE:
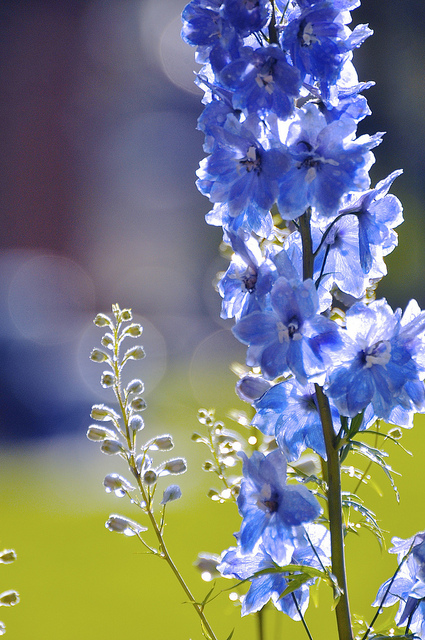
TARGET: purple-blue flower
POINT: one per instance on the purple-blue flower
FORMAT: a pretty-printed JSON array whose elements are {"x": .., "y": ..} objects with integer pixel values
[
  {"x": 241, "y": 175},
  {"x": 327, "y": 162},
  {"x": 291, "y": 336},
  {"x": 248, "y": 279},
  {"x": 289, "y": 411},
  {"x": 319, "y": 42},
  {"x": 378, "y": 213},
  {"x": 262, "y": 81},
  {"x": 383, "y": 362},
  {"x": 271, "y": 509}
]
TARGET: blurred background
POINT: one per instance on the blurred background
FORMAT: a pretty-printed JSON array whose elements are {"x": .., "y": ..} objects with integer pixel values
[{"x": 98, "y": 205}]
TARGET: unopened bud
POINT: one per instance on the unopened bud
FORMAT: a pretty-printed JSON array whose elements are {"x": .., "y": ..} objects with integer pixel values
[
  {"x": 250, "y": 388},
  {"x": 135, "y": 386},
  {"x": 96, "y": 433},
  {"x": 7, "y": 556},
  {"x": 9, "y": 598},
  {"x": 98, "y": 356},
  {"x": 108, "y": 340},
  {"x": 113, "y": 482},
  {"x": 120, "y": 524},
  {"x": 136, "y": 423},
  {"x": 107, "y": 380},
  {"x": 126, "y": 315},
  {"x": 136, "y": 353},
  {"x": 102, "y": 320},
  {"x": 133, "y": 330},
  {"x": 138, "y": 404},
  {"x": 103, "y": 413},
  {"x": 162, "y": 443},
  {"x": 111, "y": 447},
  {"x": 175, "y": 467},
  {"x": 173, "y": 492},
  {"x": 150, "y": 477}
]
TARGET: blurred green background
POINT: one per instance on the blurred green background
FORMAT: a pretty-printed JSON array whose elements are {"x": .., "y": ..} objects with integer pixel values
[{"x": 98, "y": 205}]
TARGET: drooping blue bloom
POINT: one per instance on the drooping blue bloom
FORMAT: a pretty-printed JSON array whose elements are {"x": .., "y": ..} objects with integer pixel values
[
  {"x": 319, "y": 42},
  {"x": 248, "y": 279},
  {"x": 378, "y": 213},
  {"x": 271, "y": 509},
  {"x": 327, "y": 161},
  {"x": 262, "y": 81},
  {"x": 247, "y": 16},
  {"x": 339, "y": 258},
  {"x": 383, "y": 362},
  {"x": 408, "y": 586},
  {"x": 268, "y": 586},
  {"x": 203, "y": 25},
  {"x": 289, "y": 411},
  {"x": 312, "y": 548},
  {"x": 242, "y": 177},
  {"x": 291, "y": 336}
]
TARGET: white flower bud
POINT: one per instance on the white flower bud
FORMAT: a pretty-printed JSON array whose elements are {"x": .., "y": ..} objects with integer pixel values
[
  {"x": 175, "y": 467},
  {"x": 173, "y": 492},
  {"x": 126, "y": 315},
  {"x": 111, "y": 447},
  {"x": 120, "y": 524},
  {"x": 102, "y": 320},
  {"x": 162, "y": 443},
  {"x": 113, "y": 482},
  {"x": 108, "y": 340},
  {"x": 97, "y": 433},
  {"x": 138, "y": 404},
  {"x": 207, "y": 564},
  {"x": 133, "y": 330},
  {"x": 136, "y": 423},
  {"x": 135, "y": 353},
  {"x": 98, "y": 356},
  {"x": 107, "y": 380},
  {"x": 7, "y": 556},
  {"x": 150, "y": 477},
  {"x": 2, "y": 628},
  {"x": 103, "y": 413},
  {"x": 135, "y": 386},
  {"x": 9, "y": 598}
]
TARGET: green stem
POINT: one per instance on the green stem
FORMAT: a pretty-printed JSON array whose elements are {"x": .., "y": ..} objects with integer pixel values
[
  {"x": 336, "y": 526},
  {"x": 308, "y": 257},
  {"x": 164, "y": 553}
]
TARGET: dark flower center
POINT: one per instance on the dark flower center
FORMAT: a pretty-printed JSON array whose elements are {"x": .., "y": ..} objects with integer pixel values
[{"x": 252, "y": 161}]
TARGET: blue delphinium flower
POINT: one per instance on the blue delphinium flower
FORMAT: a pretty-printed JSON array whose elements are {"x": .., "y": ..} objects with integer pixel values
[
  {"x": 408, "y": 586},
  {"x": 262, "y": 81},
  {"x": 242, "y": 176},
  {"x": 289, "y": 411},
  {"x": 312, "y": 548},
  {"x": 291, "y": 336},
  {"x": 383, "y": 362},
  {"x": 339, "y": 258},
  {"x": 319, "y": 42},
  {"x": 378, "y": 213},
  {"x": 246, "y": 16},
  {"x": 248, "y": 279},
  {"x": 326, "y": 162},
  {"x": 271, "y": 509},
  {"x": 268, "y": 586}
]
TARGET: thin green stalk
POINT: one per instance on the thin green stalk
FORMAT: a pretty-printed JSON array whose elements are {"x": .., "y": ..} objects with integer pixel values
[
  {"x": 308, "y": 257},
  {"x": 307, "y": 630},
  {"x": 342, "y": 609}
]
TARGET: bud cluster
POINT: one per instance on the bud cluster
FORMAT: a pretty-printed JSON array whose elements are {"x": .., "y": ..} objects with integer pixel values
[{"x": 120, "y": 436}]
